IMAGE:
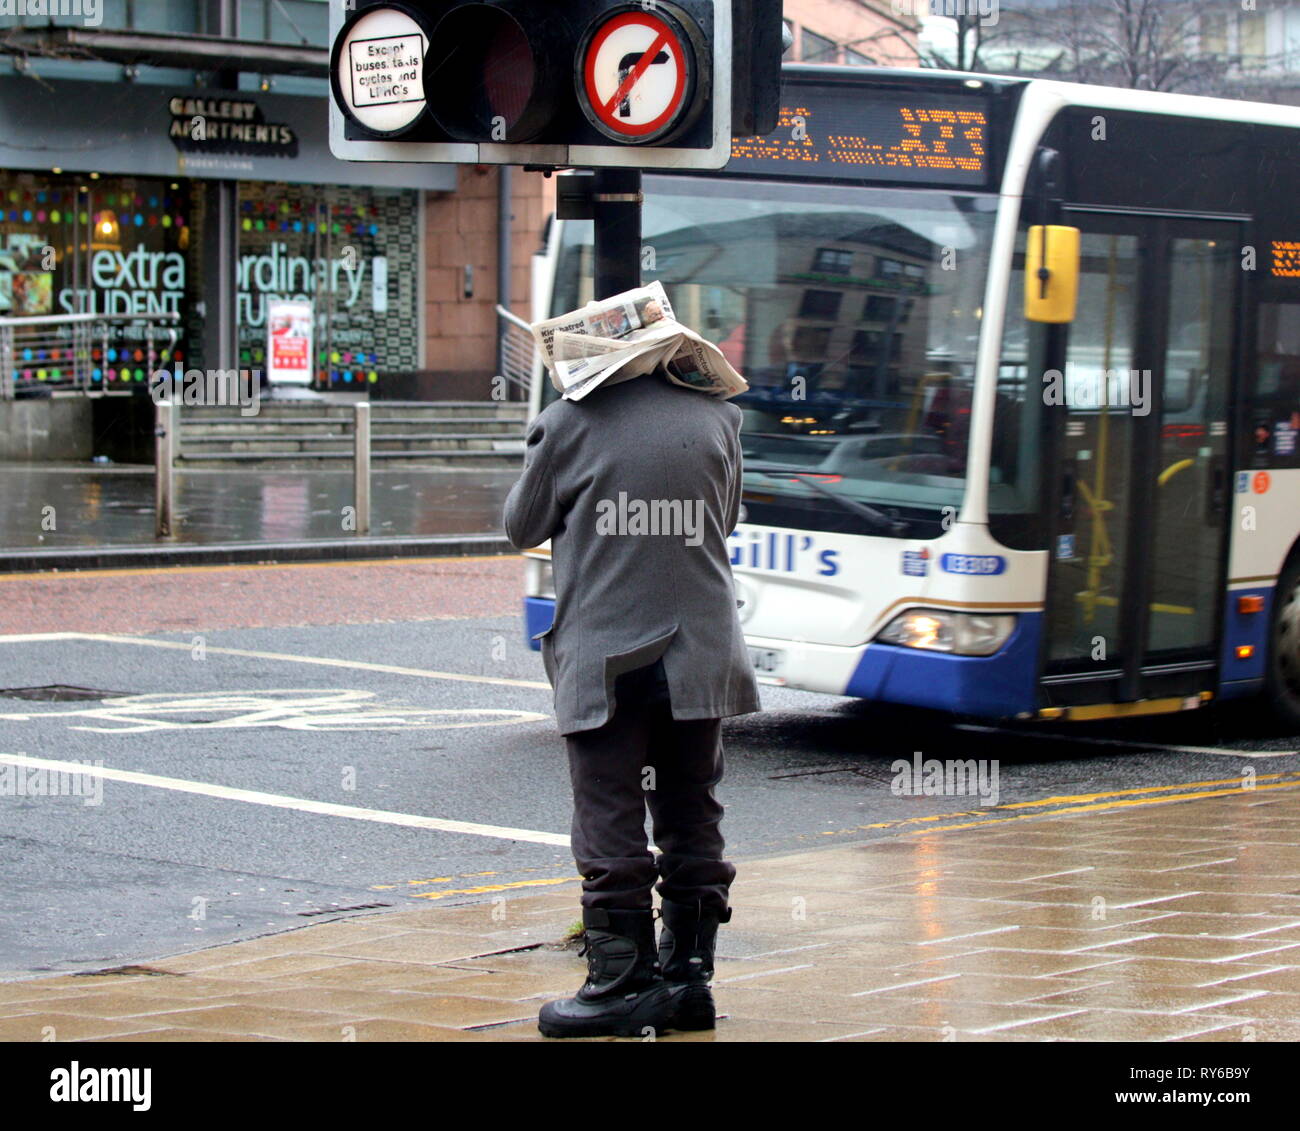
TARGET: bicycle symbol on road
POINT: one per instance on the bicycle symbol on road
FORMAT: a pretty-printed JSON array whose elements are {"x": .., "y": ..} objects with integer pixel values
[{"x": 311, "y": 709}]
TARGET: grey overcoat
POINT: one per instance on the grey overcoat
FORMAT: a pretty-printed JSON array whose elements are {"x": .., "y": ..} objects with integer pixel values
[{"x": 637, "y": 486}]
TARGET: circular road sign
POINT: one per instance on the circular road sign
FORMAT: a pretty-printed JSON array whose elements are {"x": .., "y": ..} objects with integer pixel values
[
  {"x": 638, "y": 73},
  {"x": 377, "y": 70}
]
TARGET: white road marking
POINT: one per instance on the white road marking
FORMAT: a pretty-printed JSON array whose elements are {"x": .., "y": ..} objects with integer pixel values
[
  {"x": 314, "y": 709},
  {"x": 279, "y": 801},
  {"x": 1220, "y": 751},
  {"x": 324, "y": 661}
]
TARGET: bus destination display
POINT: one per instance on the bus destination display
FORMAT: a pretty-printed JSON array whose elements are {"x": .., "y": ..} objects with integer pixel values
[{"x": 872, "y": 135}]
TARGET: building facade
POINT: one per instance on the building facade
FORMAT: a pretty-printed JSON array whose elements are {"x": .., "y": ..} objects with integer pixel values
[{"x": 172, "y": 156}]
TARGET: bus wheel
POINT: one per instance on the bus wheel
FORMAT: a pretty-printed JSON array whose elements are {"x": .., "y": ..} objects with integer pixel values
[{"x": 1284, "y": 648}]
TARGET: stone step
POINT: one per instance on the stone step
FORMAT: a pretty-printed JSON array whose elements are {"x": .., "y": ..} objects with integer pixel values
[
  {"x": 390, "y": 422},
  {"x": 315, "y": 436},
  {"x": 295, "y": 461},
  {"x": 201, "y": 449}
]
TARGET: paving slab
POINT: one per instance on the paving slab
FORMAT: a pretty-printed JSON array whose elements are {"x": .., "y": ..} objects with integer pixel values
[{"x": 997, "y": 942}]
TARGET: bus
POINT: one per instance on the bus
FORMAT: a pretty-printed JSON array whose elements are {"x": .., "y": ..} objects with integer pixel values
[{"x": 1020, "y": 440}]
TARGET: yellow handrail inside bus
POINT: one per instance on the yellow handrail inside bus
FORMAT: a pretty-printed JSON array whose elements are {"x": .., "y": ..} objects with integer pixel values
[{"x": 1173, "y": 469}]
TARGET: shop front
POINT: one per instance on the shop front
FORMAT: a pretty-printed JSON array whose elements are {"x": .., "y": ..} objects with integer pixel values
[{"x": 212, "y": 206}]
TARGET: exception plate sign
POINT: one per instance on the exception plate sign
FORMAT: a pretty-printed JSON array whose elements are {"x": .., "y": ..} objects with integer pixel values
[
  {"x": 378, "y": 70},
  {"x": 637, "y": 75}
]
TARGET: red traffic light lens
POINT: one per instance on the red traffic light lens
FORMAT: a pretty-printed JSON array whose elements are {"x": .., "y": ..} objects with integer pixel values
[
  {"x": 508, "y": 71},
  {"x": 486, "y": 77}
]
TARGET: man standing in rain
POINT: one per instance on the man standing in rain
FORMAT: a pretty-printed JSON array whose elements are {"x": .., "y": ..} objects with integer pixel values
[{"x": 638, "y": 486}]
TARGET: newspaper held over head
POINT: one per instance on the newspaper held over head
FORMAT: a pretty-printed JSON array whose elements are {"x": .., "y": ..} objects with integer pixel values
[{"x": 628, "y": 336}]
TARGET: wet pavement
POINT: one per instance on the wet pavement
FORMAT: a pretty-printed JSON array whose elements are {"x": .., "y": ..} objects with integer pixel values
[
  {"x": 52, "y": 507},
  {"x": 313, "y": 743},
  {"x": 1109, "y": 923}
]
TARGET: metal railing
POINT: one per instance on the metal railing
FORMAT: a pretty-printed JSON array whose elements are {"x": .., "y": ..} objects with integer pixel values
[
  {"x": 167, "y": 444},
  {"x": 520, "y": 360},
  {"x": 81, "y": 352}
]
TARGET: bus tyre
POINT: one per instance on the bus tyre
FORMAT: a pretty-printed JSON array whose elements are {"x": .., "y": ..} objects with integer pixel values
[{"x": 1284, "y": 648}]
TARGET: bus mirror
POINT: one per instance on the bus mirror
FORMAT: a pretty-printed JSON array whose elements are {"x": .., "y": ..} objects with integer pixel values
[{"x": 1051, "y": 273}]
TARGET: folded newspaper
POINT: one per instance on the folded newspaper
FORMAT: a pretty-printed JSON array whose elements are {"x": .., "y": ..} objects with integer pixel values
[{"x": 628, "y": 336}]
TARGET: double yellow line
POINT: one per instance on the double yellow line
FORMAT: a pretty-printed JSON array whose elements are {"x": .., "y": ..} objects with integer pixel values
[{"x": 1085, "y": 803}]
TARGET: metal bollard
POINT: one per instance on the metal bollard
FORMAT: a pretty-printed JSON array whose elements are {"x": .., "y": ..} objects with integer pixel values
[
  {"x": 164, "y": 473},
  {"x": 361, "y": 464}
]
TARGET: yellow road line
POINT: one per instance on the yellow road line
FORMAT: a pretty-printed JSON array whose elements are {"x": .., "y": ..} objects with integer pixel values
[
  {"x": 1288, "y": 776},
  {"x": 1107, "y": 805},
  {"x": 1081, "y": 797},
  {"x": 496, "y": 887}
]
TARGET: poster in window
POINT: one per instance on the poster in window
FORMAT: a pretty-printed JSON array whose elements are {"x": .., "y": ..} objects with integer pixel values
[{"x": 288, "y": 347}]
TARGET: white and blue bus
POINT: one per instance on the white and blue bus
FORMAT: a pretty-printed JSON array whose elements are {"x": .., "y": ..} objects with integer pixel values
[{"x": 965, "y": 490}]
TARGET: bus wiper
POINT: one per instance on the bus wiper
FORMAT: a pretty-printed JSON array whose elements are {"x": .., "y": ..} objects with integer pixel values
[{"x": 878, "y": 519}]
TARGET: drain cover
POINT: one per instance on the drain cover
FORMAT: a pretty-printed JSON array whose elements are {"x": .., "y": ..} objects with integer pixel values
[{"x": 58, "y": 693}]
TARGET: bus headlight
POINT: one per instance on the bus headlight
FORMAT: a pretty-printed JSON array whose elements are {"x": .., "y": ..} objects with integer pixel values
[{"x": 937, "y": 630}]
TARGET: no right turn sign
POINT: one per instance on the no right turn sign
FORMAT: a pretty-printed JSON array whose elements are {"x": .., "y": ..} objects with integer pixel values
[{"x": 638, "y": 73}]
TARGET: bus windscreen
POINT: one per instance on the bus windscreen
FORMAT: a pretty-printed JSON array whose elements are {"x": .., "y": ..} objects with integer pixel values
[{"x": 875, "y": 135}]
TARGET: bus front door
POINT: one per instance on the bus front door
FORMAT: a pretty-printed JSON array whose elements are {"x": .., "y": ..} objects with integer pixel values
[{"x": 1141, "y": 442}]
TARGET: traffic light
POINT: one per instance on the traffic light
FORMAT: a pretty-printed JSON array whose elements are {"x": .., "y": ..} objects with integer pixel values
[{"x": 588, "y": 83}]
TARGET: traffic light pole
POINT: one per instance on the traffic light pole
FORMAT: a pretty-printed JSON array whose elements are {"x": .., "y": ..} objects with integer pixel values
[{"x": 616, "y": 209}]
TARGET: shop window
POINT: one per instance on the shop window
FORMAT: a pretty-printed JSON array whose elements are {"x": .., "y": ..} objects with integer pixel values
[
  {"x": 352, "y": 252},
  {"x": 116, "y": 245}
]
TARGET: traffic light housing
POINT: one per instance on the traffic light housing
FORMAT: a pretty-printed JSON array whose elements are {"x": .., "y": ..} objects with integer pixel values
[{"x": 586, "y": 83}]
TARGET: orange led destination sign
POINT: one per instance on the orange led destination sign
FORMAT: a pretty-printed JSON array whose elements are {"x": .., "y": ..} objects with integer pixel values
[
  {"x": 1286, "y": 259},
  {"x": 873, "y": 135}
]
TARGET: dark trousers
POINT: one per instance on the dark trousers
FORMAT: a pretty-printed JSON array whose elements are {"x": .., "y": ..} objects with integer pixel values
[{"x": 643, "y": 757}]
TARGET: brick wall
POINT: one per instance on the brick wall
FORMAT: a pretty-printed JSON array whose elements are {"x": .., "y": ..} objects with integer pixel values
[{"x": 460, "y": 230}]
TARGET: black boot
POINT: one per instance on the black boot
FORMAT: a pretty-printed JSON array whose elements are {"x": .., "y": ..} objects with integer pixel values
[
  {"x": 686, "y": 946},
  {"x": 624, "y": 994}
]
